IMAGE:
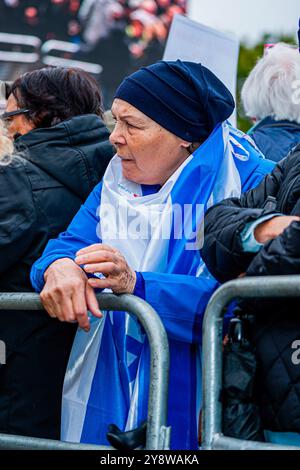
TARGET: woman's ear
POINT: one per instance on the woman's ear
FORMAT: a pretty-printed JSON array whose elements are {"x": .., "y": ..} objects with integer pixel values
[
  {"x": 191, "y": 147},
  {"x": 185, "y": 144}
]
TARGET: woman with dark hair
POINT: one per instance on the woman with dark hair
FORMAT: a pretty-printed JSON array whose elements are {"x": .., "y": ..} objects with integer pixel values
[
  {"x": 46, "y": 97},
  {"x": 54, "y": 117}
]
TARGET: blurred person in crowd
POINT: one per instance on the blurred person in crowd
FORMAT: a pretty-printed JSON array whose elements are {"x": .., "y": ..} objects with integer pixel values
[
  {"x": 104, "y": 42},
  {"x": 270, "y": 98},
  {"x": 98, "y": 18},
  {"x": 133, "y": 31},
  {"x": 259, "y": 235},
  {"x": 54, "y": 118},
  {"x": 148, "y": 25},
  {"x": 174, "y": 148}
]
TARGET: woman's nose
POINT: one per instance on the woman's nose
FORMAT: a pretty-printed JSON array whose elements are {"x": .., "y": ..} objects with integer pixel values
[{"x": 116, "y": 137}]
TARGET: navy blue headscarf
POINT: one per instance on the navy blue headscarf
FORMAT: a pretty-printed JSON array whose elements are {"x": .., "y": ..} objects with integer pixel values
[{"x": 185, "y": 98}]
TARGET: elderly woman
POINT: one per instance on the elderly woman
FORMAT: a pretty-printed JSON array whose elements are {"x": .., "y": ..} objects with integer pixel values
[
  {"x": 270, "y": 98},
  {"x": 138, "y": 233},
  {"x": 54, "y": 118}
]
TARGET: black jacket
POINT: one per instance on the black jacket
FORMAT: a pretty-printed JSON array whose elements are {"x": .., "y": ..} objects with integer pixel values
[
  {"x": 277, "y": 324},
  {"x": 40, "y": 192}
]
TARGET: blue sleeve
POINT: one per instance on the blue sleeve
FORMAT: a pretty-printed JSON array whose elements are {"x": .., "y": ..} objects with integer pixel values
[
  {"x": 180, "y": 300},
  {"x": 139, "y": 289},
  {"x": 250, "y": 244},
  {"x": 81, "y": 232}
]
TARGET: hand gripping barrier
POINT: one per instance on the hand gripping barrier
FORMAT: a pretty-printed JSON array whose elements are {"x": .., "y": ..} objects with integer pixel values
[
  {"x": 260, "y": 287},
  {"x": 158, "y": 434}
]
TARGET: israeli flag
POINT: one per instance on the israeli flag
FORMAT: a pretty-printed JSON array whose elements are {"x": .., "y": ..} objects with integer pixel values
[{"x": 105, "y": 380}]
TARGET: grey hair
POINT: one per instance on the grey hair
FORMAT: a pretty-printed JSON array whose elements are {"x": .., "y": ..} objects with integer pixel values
[
  {"x": 271, "y": 87},
  {"x": 6, "y": 147}
]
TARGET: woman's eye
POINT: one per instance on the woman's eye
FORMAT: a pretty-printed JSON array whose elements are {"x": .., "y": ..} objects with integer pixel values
[{"x": 131, "y": 125}]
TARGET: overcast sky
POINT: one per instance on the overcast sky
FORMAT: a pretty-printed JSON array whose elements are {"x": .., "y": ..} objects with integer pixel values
[{"x": 247, "y": 18}]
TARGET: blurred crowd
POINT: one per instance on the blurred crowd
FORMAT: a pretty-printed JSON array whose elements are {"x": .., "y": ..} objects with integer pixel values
[
  {"x": 89, "y": 21},
  {"x": 120, "y": 35},
  {"x": 47, "y": 19}
]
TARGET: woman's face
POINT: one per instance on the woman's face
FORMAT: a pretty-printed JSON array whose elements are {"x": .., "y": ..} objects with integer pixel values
[
  {"x": 149, "y": 153},
  {"x": 19, "y": 124}
]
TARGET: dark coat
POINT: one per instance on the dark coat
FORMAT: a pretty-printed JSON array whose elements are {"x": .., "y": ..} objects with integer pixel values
[
  {"x": 40, "y": 193},
  {"x": 277, "y": 323},
  {"x": 275, "y": 139}
]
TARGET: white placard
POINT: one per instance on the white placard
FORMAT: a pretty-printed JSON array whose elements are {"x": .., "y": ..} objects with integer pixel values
[{"x": 216, "y": 50}]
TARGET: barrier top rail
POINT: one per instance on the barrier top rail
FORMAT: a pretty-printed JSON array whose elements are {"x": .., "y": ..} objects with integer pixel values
[
  {"x": 89, "y": 67},
  {"x": 158, "y": 434},
  {"x": 55, "y": 45},
  {"x": 19, "y": 41},
  {"x": 255, "y": 287},
  {"x": 51, "y": 48}
]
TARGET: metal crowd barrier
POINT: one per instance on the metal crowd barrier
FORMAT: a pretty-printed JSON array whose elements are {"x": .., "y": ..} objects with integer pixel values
[
  {"x": 260, "y": 287},
  {"x": 53, "y": 53},
  {"x": 19, "y": 45},
  {"x": 20, "y": 53},
  {"x": 158, "y": 434}
]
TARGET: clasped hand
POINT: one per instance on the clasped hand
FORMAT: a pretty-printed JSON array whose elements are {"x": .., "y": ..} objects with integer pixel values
[{"x": 69, "y": 293}]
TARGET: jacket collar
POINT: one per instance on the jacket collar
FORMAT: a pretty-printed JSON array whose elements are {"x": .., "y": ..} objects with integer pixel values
[{"x": 270, "y": 121}]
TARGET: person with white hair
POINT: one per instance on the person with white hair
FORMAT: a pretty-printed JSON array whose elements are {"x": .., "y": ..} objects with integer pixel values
[
  {"x": 6, "y": 146},
  {"x": 271, "y": 98}
]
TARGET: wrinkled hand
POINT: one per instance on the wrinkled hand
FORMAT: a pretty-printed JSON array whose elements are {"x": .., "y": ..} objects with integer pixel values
[
  {"x": 67, "y": 294},
  {"x": 99, "y": 258},
  {"x": 272, "y": 228}
]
